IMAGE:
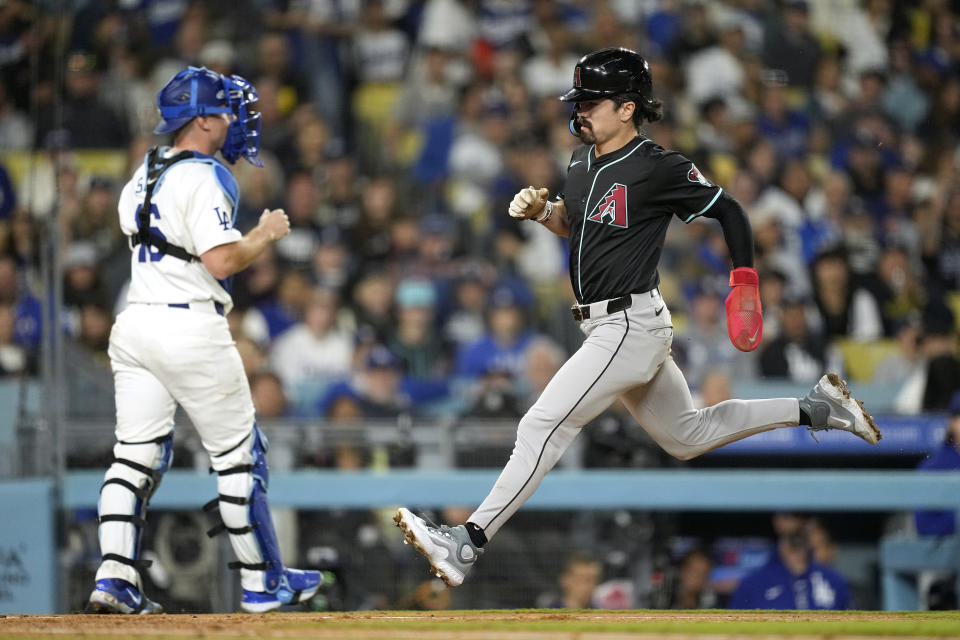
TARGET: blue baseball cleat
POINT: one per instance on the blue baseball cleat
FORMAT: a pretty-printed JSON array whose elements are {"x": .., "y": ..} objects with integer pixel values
[
  {"x": 295, "y": 586},
  {"x": 114, "y": 595}
]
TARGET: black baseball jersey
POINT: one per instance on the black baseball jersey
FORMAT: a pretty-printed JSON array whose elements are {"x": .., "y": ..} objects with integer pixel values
[{"x": 619, "y": 206}]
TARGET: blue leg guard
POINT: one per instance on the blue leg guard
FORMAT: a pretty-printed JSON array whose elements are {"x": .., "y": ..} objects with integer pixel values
[{"x": 242, "y": 482}]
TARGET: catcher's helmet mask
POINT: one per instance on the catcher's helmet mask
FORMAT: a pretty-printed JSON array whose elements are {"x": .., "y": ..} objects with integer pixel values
[
  {"x": 198, "y": 92},
  {"x": 614, "y": 73}
]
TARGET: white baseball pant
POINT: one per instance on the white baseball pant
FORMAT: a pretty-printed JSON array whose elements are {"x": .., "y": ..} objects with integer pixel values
[{"x": 162, "y": 356}]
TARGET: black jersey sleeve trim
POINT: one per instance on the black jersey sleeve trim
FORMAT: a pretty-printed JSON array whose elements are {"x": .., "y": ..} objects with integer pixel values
[{"x": 692, "y": 216}]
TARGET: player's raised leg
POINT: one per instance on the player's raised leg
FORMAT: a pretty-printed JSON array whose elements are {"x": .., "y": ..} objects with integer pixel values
[{"x": 665, "y": 408}]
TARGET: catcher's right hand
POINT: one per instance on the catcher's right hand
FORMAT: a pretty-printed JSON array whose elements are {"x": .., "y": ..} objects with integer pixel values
[{"x": 529, "y": 203}]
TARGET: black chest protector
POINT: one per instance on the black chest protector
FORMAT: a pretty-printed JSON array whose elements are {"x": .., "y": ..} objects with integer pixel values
[{"x": 156, "y": 166}]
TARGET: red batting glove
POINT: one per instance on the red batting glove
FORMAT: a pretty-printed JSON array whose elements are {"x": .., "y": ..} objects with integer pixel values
[{"x": 744, "y": 313}]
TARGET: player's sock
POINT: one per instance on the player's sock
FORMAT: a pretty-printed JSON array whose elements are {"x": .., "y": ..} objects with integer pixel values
[
  {"x": 477, "y": 536},
  {"x": 804, "y": 418}
]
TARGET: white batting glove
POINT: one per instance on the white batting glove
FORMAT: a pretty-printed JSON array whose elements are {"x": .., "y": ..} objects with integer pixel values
[{"x": 528, "y": 203}]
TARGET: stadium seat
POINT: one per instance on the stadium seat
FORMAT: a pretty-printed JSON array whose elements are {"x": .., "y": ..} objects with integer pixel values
[
  {"x": 862, "y": 357},
  {"x": 953, "y": 299}
]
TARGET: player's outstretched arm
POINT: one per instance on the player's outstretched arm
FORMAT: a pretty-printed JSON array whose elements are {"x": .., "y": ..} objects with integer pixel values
[
  {"x": 227, "y": 259},
  {"x": 744, "y": 311},
  {"x": 533, "y": 204}
]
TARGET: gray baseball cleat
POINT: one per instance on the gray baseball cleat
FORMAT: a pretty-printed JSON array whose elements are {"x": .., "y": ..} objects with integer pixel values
[
  {"x": 448, "y": 549},
  {"x": 830, "y": 406}
]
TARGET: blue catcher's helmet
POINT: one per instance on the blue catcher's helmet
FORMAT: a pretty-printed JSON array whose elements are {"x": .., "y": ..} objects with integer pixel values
[{"x": 196, "y": 92}]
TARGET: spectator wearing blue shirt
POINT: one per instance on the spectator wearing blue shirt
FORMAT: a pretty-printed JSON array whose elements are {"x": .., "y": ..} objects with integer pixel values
[
  {"x": 787, "y": 128},
  {"x": 27, "y": 309},
  {"x": 414, "y": 339},
  {"x": 947, "y": 458},
  {"x": 380, "y": 389},
  {"x": 936, "y": 588},
  {"x": 8, "y": 197},
  {"x": 503, "y": 347},
  {"x": 274, "y": 315},
  {"x": 791, "y": 578}
]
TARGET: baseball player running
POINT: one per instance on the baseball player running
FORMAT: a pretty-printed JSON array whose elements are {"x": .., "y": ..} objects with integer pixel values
[
  {"x": 171, "y": 345},
  {"x": 619, "y": 196}
]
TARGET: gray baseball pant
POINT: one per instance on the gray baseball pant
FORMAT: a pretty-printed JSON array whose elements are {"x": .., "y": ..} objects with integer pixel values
[{"x": 626, "y": 355}]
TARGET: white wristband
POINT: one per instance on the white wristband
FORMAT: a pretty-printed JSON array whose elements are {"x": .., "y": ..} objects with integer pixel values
[{"x": 547, "y": 212}]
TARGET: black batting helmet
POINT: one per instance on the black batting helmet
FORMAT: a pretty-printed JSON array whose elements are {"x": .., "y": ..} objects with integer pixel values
[
  {"x": 607, "y": 73},
  {"x": 617, "y": 73}
]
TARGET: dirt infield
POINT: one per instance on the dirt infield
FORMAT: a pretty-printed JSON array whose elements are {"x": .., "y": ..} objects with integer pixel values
[{"x": 496, "y": 625}]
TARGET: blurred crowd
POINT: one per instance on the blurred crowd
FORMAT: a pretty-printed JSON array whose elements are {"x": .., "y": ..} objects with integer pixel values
[
  {"x": 794, "y": 570},
  {"x": 395, "y": 132}
]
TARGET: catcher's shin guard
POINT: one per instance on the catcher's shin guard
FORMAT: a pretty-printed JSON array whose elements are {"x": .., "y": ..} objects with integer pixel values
[
  {"x": 245, "y": 514},
  {"x": 127, "y": 488}
]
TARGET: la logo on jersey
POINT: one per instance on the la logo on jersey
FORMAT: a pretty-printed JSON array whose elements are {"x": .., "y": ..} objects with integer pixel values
[
  {"x": 694, "y": 175},
  {"x": 224, "y": 218},
  {"x": 613, "y": 205}
]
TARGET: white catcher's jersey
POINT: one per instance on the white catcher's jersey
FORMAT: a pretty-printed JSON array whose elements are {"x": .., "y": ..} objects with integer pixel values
[{"x": 193, "y": 206}]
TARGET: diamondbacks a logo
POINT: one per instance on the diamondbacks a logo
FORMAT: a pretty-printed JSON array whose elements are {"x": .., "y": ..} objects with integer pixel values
[
  {"x": 694, "y": 175},
  {"x": 612, "y": 208},
  {"x": 576, "y": 76}
]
